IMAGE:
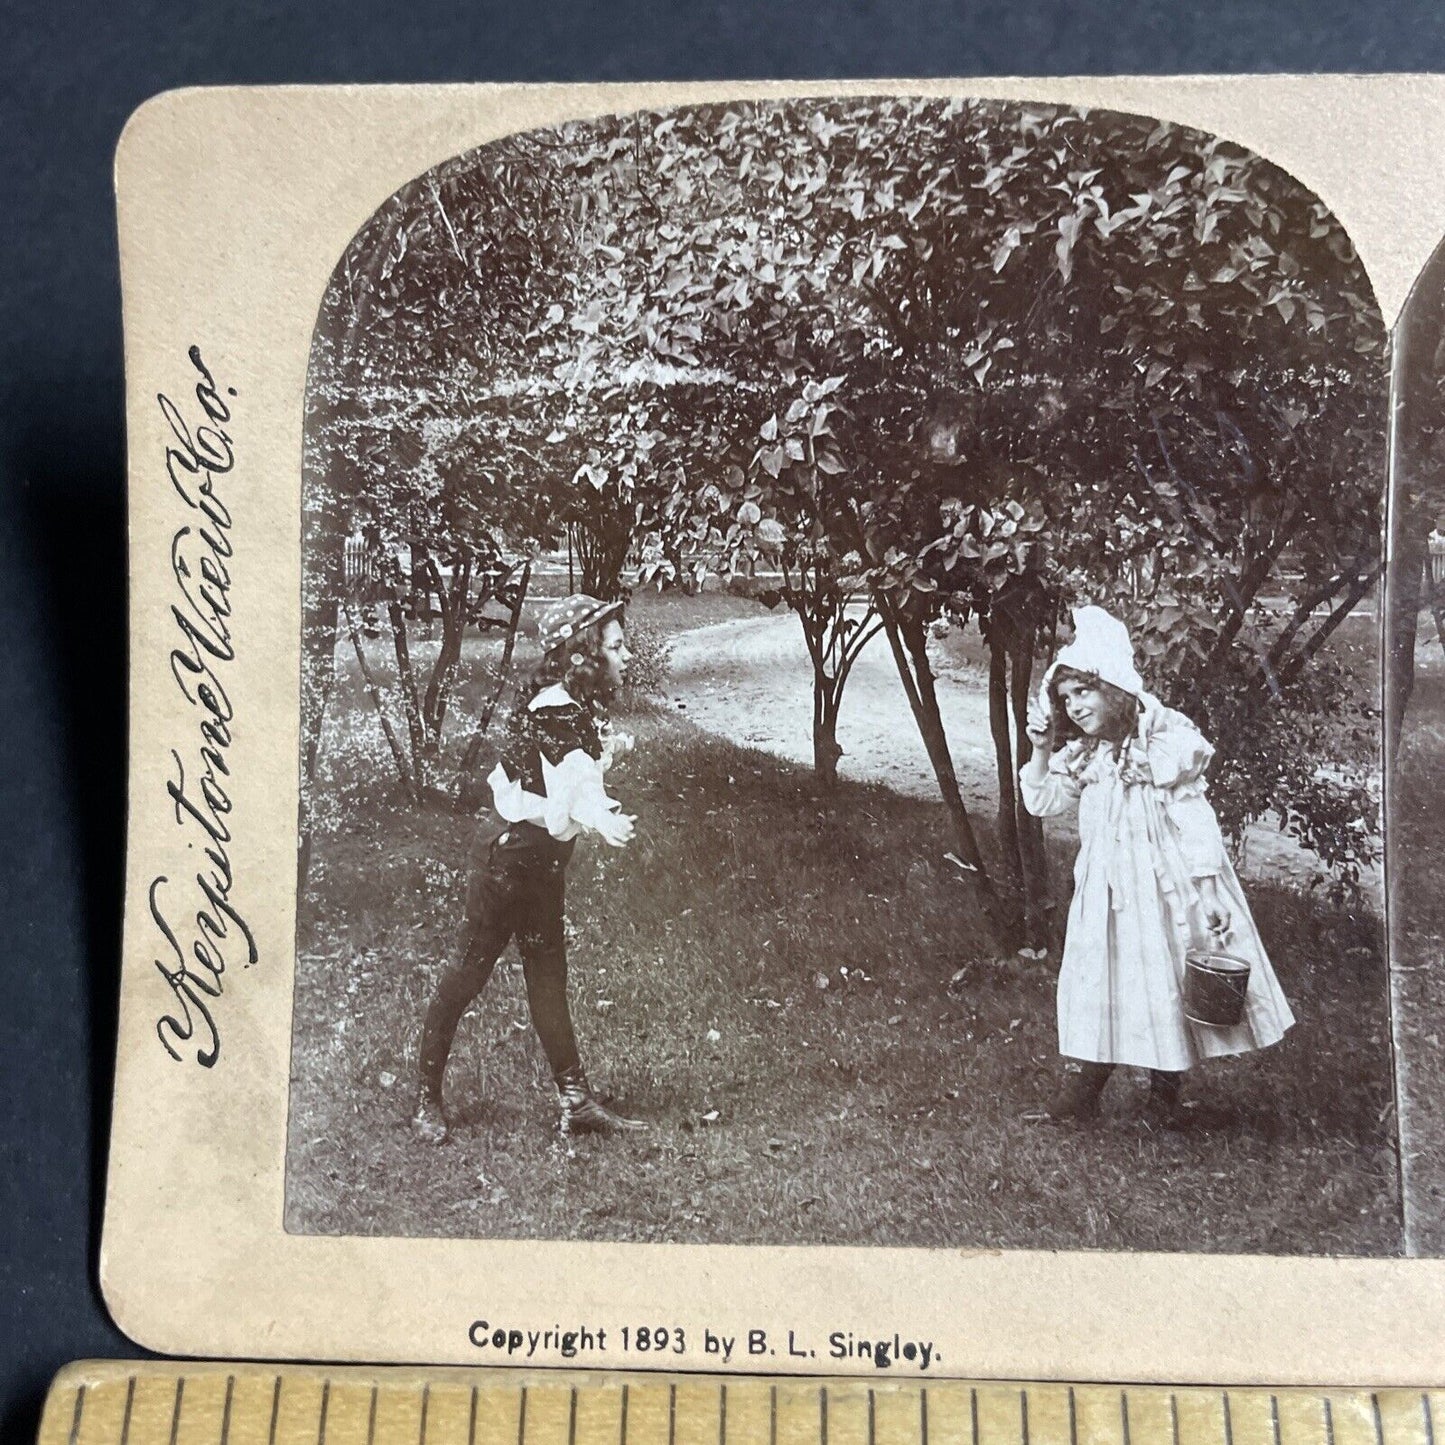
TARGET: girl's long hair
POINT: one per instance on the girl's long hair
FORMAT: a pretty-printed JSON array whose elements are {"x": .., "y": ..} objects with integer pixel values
[{"x": 1121, "y": 708}]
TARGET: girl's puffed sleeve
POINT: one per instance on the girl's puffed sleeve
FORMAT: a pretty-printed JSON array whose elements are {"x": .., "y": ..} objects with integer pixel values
[
  {"x": 1197, "y": 828},
  {"x": 1178, "y": 755},
  {"x": 1055, "y": 791},
  {"x": 1177, "y": 751}
]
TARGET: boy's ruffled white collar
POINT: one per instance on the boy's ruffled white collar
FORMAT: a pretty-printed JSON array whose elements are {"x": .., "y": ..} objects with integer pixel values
[{"x": 554, "y": 696}]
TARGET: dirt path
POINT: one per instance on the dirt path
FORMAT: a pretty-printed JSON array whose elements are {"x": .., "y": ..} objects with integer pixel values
[{"x": 747, "y": 681}]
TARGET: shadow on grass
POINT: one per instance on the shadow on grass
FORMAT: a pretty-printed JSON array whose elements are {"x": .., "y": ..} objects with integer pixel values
[{"x": 796, "y": 991}]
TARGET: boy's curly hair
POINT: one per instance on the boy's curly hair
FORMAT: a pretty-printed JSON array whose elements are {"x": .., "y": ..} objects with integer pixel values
[
  {"x": 1121, "y": 717},
  {"x": 577, "y": 664}
]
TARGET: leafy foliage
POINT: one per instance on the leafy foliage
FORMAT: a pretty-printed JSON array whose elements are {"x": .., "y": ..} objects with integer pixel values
[{"x": 973, "y": 358}]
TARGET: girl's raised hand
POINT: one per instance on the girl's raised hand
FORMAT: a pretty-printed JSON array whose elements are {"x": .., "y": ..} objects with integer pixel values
[{"x": 1040, "y": 726}]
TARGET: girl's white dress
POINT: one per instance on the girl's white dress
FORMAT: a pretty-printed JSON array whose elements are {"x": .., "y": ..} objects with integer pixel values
[{"x": 1146, "y": 832}]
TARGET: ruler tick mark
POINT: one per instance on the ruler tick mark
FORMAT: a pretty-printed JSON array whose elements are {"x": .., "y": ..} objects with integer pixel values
[
  {"x": 722, "y": 1415},
  {"x": 572, "y": 1417},
  {"x": 325, "y": 1407},
  {"x": 973, "y": 1413},
  {"x": 75, "y": 1418},
  {"x": 1429, "y": 1419},
  {"x": 226, "y": 1409},
  {"x": 275, "y": 1411},
  {"x": 129, "y": 1402},
  {"x": 1274, "y": 1417},
  {"x": 176, "y": 1408},
  {"x": 1174, "y": 1418},
  {"x": 1024, "y": 1416},
  {"x": 1329, "y": 1422},
  {"x": 1074, "y": 1420},
  {"x": 671, "y": 1415},
  {"x": 872, "y": 1420},
  {"x": 1379, "y": 1423},
  {"x": 773, "y": 1416},
  {"x": 472, "y": 1420},
  {"x": 923, "y": 1416},
  {"x": 1228, "y": 1418},
  {"x": 425, "y": 1407},
  {"x": 823, "y": 1413},
  {"x": 622, "y": 1424},
  {"x": 371, "y": 1417},
  {"x": 1124, "y": 1414},
  {"x": 521, "y": 1417}
]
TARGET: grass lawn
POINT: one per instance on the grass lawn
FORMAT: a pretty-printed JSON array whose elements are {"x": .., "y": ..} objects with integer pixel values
[
  {"x": 765, "y": 976},
  {"x": 1417, "y": 860}
]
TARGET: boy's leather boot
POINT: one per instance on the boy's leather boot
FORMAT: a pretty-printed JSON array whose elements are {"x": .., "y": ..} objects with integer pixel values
[
  {"x": 582, "y": 1112},
  {"x": 429, "y": 1123}
]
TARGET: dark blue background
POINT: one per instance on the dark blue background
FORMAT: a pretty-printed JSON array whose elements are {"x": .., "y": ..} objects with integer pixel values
[{"x": 69, "y": 76}]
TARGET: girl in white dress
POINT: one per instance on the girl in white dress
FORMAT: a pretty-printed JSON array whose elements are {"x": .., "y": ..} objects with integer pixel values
[{"x": 1152, "y": 880}]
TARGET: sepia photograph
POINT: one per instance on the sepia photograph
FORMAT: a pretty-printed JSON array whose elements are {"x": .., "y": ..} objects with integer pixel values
[{"x": 841, "y": 686}]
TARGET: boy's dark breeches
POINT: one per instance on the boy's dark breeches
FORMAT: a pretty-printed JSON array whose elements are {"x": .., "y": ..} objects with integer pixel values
[{"x": 519, "y": 895}]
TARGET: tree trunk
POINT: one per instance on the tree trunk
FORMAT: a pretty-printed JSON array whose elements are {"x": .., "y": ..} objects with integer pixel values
[
  {"x": 465, "y": 798},
  {"x": 826, "y": 752},
  {"x": 318, "y": 665},
  {"x": 438, "y": 692},
  {"x": 908, "y": 642},
  {"x": 1404, "y": 593},
  {"x": 1038, "y": 904},
  {"x": 398, "y": 757},
  {"x": 406, "y": 681},
  {"x": 1001, "y": 730}
]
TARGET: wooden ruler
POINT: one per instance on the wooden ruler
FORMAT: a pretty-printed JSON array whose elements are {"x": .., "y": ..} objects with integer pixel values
[{"x": 184, "y": 1403}]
